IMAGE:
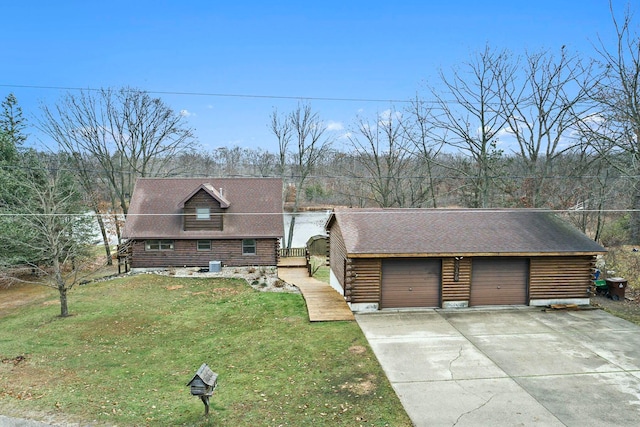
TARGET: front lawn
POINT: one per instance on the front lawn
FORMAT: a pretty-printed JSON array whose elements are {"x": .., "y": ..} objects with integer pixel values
[{"x": 131, "y": 345}]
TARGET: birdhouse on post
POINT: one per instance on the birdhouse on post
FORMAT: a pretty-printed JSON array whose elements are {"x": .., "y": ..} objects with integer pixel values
[{"x": 203, "y": 384}]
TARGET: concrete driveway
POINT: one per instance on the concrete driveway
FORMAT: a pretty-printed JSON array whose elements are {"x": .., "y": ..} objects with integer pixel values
[{"x": 510, "y": 367}]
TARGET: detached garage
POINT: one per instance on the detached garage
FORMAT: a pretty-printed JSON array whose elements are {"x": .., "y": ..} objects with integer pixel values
[{"x": 401, "y": 258}]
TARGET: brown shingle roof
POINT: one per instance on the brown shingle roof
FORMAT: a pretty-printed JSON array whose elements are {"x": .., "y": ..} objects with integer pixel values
[
  {"x": 431, "y": 232},
  {"x": 255, "y": 208},
  {"x": 208, "y": 188}
]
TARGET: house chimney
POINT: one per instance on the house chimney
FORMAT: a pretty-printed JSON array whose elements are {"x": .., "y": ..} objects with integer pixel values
[{"x": 221, "y": 192}]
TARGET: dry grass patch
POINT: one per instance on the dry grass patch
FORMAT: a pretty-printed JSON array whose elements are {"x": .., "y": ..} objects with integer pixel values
[
  {"x": 363, "y": 387},
  {"x": 358, "y": 349}
]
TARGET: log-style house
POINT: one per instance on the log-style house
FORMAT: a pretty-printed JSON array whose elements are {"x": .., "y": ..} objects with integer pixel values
[
  {"x": 397, "y": 258},
  {"x": 188, "y": 222}
]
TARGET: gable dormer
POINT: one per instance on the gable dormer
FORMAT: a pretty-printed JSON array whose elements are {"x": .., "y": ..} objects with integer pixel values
[{"x": 204, "y": 209}]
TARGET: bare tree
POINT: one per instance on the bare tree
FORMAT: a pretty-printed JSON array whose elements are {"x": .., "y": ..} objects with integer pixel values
[
  {"x": 380, "y": 149},
  {"x": 614, "y": 130},
  {"x": 263, "y": 163},
  {"x": 348, "y": 188},
  {"x": 472, "y": 116},
  {"x": 230, "y": 160},
  {"x": 194, "y": 163},
  {"x": 543, "y": 113},
  {"x": 303, "y": 129},
  {"x": 128, "y": 132},
  {"x": 88, "y": 177},
  {"x": 281, "y": 127},
  {"x": 48, "y": 229},
  {"x": 122, "y": 134},
  {"x": 419, "y": 130}
]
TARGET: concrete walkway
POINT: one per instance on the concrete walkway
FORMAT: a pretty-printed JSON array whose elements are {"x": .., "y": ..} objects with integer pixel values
[
  {"x": 510, "y": 367},
  {"x": 324, "y": 304}
]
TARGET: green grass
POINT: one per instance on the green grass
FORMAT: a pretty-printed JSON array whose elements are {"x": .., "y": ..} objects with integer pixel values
[
  {"x": 322, "y": 272},
  {"x": 131, "y": 345}
]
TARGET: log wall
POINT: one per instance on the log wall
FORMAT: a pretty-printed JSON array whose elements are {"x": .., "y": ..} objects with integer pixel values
[
  {"x": 453, "y": 290},
  {"x": 337, "y": 254},
  {"x": 203, "y": 200},
  {"x": 185, "y": 253},
  {"x": 560, "y": 277},
  {"x": 364, "y": 278}
]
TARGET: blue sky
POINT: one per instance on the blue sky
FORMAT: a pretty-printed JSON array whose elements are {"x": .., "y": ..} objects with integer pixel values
[{"x": 372, "y": 49}]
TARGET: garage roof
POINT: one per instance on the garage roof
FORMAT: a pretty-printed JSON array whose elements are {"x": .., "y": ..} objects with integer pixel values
[{"x": 458, "y": 232}]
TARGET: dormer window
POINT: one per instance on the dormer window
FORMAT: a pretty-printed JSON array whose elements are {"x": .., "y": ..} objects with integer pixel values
[
  {"x": 203, "y": 209},
  {"x": 203, "y": 213}
]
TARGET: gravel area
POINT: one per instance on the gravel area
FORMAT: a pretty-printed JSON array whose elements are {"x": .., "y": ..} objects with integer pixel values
[{"x": 263, "y": 279}]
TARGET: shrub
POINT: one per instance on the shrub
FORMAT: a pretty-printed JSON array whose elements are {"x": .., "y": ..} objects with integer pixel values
[
  {"x": 615, "y": 233},
  {"x": 624, "y": 262}
]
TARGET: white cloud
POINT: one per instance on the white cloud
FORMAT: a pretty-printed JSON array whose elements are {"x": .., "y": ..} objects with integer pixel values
[
  {"x": 331, "y": 125},
  {"x": 186, "y": 113},
  {"x": 505, "y": 133},
  {"x": 594, "y": 118},
  {"x": 387, "y": 117}
]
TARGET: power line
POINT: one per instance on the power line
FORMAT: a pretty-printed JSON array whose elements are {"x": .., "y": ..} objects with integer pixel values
[
  {"x": 316, "y": 176},
  {"x": 218, "y": 94},
  {"x": 355, "y": 211}
]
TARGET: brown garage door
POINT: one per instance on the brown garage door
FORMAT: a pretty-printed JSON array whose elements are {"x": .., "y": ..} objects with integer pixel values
[
  {"x": 499, "y": 281},
  {"x": 411, "y": 283}
]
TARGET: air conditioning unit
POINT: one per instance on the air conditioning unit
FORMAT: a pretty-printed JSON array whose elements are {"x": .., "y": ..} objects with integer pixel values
[{"x": 215, "y": 266}]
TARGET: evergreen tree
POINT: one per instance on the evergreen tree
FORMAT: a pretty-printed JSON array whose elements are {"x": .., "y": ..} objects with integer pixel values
[{"x": 12, "y": 125}]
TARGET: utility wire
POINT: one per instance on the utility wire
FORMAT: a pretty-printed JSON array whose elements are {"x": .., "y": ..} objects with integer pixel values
[
  {"x": 226, "y": 176},
  {"x": 354, "y": 211},
  {"x": 218, "y": 94}
]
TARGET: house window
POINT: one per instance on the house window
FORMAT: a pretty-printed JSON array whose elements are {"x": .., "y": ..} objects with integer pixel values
[
  {"x": 204, "y": 245},
  {"x": 248, "y": 247},
  {"x": 158, "y": 245},
  {"x": 203, "y": 213}
]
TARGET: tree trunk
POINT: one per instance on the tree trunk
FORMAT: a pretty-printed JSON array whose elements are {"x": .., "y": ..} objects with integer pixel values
[
  {"x": 634, "y": 219},
  {"x": 292, "y": 225},
  {"x": 64, "y": 309},
  {"x": 62, "y": 287},
  {"x": 432, "y": 186},
  {"x": 105, "y": 238}
]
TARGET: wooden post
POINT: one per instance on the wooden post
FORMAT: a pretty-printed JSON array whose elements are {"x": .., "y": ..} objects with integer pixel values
[{"x": 205, "y": 400}]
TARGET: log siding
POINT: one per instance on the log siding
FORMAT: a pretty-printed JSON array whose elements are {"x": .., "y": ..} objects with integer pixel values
[
  {"x": 337, "y": 255},
  {"x": 549, "y": 277},
  {"x": 453, "y": 290},
  {"x": 203, "y": 200},
  {"x": 364, "y": 280},
  {"x": 560, "y": 277},
  {"x": 186, "y": 253}
]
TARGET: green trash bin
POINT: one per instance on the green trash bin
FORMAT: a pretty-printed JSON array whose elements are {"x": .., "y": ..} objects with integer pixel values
[{"x": 617, "y": 287}]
